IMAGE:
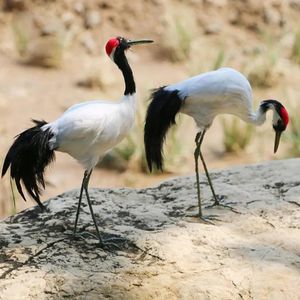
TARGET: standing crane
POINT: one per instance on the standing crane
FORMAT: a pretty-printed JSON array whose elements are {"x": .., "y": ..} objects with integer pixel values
[
  {"x": 86, "y": 131},
  {"x": 224, "y": 91}
]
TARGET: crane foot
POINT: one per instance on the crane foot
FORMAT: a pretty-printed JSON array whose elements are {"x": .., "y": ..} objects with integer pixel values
[
  {"x": 205, "y": 220},
  {"x": 219, "y": 204},
  {"x": 83, "y": 236}
]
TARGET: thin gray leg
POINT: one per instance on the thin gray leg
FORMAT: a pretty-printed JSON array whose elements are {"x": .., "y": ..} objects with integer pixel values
[
  {"x": 209, "y": 180},
  {"x": 198, "y": 141},
  {"x": 90, "y": 206},
  {"x": 79, "y": 201}
]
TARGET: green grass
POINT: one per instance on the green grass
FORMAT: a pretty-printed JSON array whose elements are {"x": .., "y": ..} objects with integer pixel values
[
  {"x": 35, "y": 48},
  {"x": 13, "y": 196},
  {"x": 177, "y": 40},
  {"x": 262, "y": 67},
  {"x": 263, "y": 71},
  {"x": 220, "y": 59},
  {"x": 296, "y": 48},
  {"x": 237, "y": 134},
  {"x": 293, "y": 135},
  {"x": 21, "y": 39}
]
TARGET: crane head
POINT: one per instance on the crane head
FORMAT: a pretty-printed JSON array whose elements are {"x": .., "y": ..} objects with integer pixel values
[
  {"x": 280, "y": 119},
  {"x": 120, "y": 44}
]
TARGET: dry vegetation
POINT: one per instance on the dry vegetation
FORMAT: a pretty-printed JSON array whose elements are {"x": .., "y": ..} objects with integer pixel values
[{"x": 51, "y": 55}]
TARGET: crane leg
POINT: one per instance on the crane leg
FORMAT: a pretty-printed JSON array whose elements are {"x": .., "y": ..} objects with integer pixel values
[
  {"x": 217, "y": 202},
  {"x": 84, "y": 187},
  {"x": 216, "y": 199},
  {"x": 198, "y": 141},
  {"x": 197, "y": 153},
  {"x": 91, "y": 208},
  {"x": 79, "y": 201}
]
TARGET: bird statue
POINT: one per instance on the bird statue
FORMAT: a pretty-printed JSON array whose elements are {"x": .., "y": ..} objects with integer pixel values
[
  {"x": 203, "y": 97},
  {"x": 86, "y": 131}
]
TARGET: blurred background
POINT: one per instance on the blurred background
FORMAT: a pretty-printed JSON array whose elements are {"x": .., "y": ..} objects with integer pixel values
[{"x": 52, "y": 56}]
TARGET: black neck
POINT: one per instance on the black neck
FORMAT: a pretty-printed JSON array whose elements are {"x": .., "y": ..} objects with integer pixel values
[{"x": 121, "y": 61}]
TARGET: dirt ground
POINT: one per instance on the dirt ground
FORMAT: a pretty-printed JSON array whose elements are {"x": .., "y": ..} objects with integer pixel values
[{"x": 28, "y": 91}]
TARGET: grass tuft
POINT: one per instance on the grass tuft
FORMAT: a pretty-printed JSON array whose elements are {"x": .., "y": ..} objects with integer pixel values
[
  {"x": 176, "y": 43},
  {"x": 293, "y": 135},
  {"x": 34, "y": 46},
  {"x": 237, "y": 134},
  {"x": 296, "y": 48}
]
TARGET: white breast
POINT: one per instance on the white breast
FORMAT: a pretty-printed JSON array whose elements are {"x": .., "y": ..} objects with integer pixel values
[{"x": 88, "y": 130}]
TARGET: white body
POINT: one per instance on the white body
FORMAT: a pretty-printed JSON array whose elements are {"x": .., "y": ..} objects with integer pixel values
[
  {"x": 224, "y": 91},
  {"x": 88, "y": 130}
]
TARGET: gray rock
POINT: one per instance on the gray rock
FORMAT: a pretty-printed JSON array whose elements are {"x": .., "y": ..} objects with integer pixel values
[
  {"x": 295, "y": 4},
  {"x": 251, "y": 252},
  {"x": 88, "y": 42},
  {"x": 92, "y": 19},
  {"x": 79, "y": 7},
  {"x": 213, "y": 28},
  {"x": 14, "y": 5},
  {"x": 272, "y": 16},
  {"x": 51, "y": 28},
  {"x": 68, "y": 19}
]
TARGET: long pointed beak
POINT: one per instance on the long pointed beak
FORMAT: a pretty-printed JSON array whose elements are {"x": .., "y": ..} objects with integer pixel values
[
  {"x": 137, "y": 42},
  {"x": 277, "y": 140}
]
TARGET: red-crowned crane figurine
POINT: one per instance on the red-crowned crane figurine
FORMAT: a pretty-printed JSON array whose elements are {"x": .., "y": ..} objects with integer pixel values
[
  {"x": 86, "y": 131},
  {"x": 203, "y": 97}
]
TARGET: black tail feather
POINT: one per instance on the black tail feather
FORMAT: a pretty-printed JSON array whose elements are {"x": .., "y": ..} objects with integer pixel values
[
  {"x": 160, "y": 117},
  {"x": 27, "y": 158}
]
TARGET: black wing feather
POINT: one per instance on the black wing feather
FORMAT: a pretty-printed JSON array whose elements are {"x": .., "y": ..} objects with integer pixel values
[
  {"x": 28, "y": 157},
  {"x": 160, "y": 117}
]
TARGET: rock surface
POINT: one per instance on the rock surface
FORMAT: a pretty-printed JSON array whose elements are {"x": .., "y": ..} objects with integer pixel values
[{"x": 251, "y": 252}]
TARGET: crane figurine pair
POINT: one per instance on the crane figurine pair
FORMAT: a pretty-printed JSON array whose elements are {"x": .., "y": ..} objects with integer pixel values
[{"x": 87, "y": 130}]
